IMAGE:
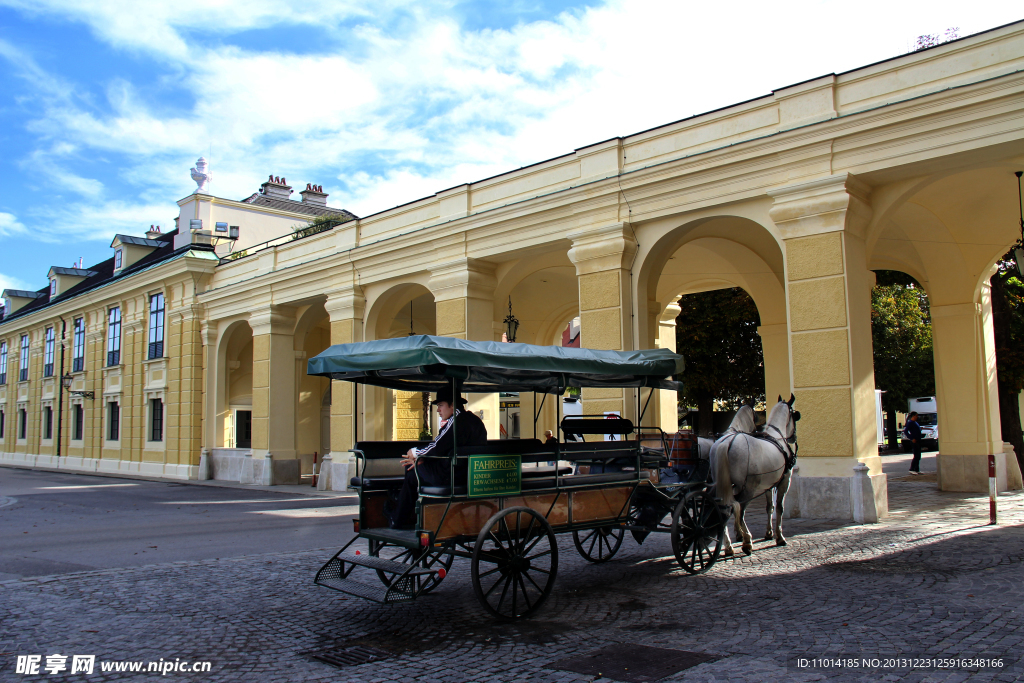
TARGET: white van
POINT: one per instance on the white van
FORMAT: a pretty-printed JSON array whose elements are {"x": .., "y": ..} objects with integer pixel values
[{"x": 928, "y": 418}]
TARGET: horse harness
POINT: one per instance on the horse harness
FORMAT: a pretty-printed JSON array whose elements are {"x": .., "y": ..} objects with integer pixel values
[{"x": 788, "y": 453}]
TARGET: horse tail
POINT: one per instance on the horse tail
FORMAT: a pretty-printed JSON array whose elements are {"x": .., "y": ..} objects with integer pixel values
[{"x": 723, "y": 476}]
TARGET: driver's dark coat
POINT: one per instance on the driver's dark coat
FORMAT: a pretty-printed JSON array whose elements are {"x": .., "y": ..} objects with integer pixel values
[{"x": 469, "y": 428}]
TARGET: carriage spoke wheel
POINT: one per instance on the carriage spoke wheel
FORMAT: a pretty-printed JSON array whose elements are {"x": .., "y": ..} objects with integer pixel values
[
  {"x": 430, "y": 558},
  {"x": 598, "y": 545},
  {"x": 698, "y": 532},
  {"x": 515, "y": 559}
]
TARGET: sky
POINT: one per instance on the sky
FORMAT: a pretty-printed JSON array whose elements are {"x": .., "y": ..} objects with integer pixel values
[{"x": 105, "y": 106}]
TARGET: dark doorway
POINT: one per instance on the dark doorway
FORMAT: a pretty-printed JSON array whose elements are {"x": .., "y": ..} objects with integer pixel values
[{"x": 243, "y": 429}]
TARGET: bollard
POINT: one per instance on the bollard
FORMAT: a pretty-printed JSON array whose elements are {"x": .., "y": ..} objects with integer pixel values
[
  {"x": 992, "y": 518},
  {"x": 314, "y": 469}
]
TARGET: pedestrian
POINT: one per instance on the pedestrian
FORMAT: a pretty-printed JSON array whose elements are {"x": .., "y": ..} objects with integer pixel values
[
  {"x": 913, "y": 432},
  {"x": 549, "y": 437}
]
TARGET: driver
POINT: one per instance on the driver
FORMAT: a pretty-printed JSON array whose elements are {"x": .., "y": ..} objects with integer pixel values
[{"x": 436, "y": 469}]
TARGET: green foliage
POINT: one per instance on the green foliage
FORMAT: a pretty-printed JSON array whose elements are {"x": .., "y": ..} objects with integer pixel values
[
  {"x": 716, "y": 333},
  {"x": 1010, "y": 328},
  {"x": 236, "y": 255},
  {"x": 318, "y": 224},
  {"x": 901, "y": 333}
]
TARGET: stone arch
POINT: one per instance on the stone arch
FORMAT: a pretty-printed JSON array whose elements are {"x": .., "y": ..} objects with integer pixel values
[
  {"x": 234, "y": 384},
  {"x": 716, "y": 252},
  {"x": 387, "y": 312},
  {"x": 312, "y": 335}
]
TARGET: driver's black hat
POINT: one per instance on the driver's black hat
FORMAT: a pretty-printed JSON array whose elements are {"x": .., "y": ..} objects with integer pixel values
[{"x": 445, "y": 395}]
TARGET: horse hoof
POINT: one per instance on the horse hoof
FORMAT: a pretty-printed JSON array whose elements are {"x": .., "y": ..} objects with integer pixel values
[
  {"x": 748, "y": 550},
  {"x": 728, "y": 552},
  {"x": 780, "y": 541},
  {"x": 768, "y": 537}
]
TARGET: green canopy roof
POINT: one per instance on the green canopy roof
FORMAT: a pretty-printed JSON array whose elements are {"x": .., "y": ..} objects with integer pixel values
[{"x": 425, "y": 363}]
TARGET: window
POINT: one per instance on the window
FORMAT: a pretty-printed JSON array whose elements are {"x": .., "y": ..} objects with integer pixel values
[
  {"x": 22, "y": 423},
  {"x": 77, "y": 422},
  {"x": 113, "y": 421},
  {"x": 78, "y": 355},
  {"x": 243, "y": 429},
  {"x": 156, "y": 326},
  {"x": 23, "y": 361},
  {"x": 48, "y": 354},
  {"x": 1, "y": 424},
  {"x": 156, "y": 419},
  {"x": 53, "y": 288},
  {"x": 118, "y": 258},
  {"x": 3, "y": 362},
  {"x": 47, "y": 422},
  {"x": 114, "y": 336}
]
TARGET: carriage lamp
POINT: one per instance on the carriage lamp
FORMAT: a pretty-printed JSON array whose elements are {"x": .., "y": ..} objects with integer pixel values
[
  {"x": 355, "y": 525},
  {"x": 425, "y": 539},
  {"x": 1018, "y": 251},
  {"x": 511, "y": 322},
  {"x": 67, "y": 379}
]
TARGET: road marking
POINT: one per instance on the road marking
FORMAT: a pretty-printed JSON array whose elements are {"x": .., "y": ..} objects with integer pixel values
[
  {"x": 84, "y": 486},
  {"x": 340, "y": 511}
]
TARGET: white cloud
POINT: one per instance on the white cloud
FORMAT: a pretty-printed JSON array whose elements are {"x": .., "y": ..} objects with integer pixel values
[
  {"x": 8, "y": 282},
  {"x": 10, "y": 225},
  {"x": 406, "y": 101}
]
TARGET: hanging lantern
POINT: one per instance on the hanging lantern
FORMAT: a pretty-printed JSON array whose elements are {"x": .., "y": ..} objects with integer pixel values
[{"x": 511, "y": 323}]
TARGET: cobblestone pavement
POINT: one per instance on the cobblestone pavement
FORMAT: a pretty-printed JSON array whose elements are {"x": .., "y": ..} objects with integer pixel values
[{"x": 930, "y": 581}]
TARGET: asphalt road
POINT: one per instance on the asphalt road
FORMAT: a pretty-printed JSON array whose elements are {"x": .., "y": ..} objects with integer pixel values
[{"x": 60, "y": 523}]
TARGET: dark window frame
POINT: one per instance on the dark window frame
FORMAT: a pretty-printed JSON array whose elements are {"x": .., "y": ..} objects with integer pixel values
[
  {"x": 78, "y": 346},
  {"x": 22, "y": 423},
  {"x": 77, "y": 422},
  {"x": 47, "y": 423},
  {"x": 3, "y": 362},
  {"x": 48, "y": 344},
  {"x": 157, "y": 317},
  {"x": 114, "y": 336},
  {"x": 118, "y": 257},
  {"x": 3, "y": 418},
  {"x": 23, "y": 359},
  {"x": 113, "y": 421},
  {"x": 156, "y": 419}
]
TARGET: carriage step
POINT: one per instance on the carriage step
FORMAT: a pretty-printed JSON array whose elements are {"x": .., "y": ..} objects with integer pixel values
[
  {"x": 379, "y": 594},
  {"x": 389, "y": 566}
]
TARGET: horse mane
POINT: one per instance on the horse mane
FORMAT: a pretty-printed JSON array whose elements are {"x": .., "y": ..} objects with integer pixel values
[{"x": 743, "y": 422}]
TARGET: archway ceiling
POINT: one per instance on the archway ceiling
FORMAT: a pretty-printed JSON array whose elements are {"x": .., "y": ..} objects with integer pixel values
[
  {"x": 423, "y": 314},
  {"x": 709, "y": 263},
  {"x": 541, "y": 296},
  {"x": 950, "y": 232}
]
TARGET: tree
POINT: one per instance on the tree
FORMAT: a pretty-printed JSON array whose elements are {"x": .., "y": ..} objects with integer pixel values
[
  {"x": 319, "y": 224},
  {"x": 901, "y": 333},
  {"x": 1008, "y": 324},
  {"x": 716, "y": 333}
]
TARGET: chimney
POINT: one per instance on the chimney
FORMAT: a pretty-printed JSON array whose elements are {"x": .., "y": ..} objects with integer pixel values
[
  {"x": 276, "y": 188},
  {"x": 153, "y": 232},
  {"x": 314, "y": 194}
]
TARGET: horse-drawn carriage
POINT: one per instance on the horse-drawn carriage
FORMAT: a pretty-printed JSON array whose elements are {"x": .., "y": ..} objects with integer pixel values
[{"x": 507, "y": 499}]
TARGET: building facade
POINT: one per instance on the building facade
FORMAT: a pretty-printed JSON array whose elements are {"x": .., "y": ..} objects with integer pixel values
[{"x": 796, "y": 197}]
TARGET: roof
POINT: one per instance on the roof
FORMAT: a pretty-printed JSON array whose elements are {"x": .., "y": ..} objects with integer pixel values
[
  {"x": 137, "y": 241},
  {"x": 103, "y": 273},
  {"x": 427, "y": 363},
  {"x": 258, "y": 199},
  {"x": 74, "y": 272},
  {"x": 23, "y": 294}
]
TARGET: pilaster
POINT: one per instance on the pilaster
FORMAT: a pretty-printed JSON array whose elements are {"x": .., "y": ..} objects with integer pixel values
[
  {"x": 345, "y": 307},
  {"x": 828, "y": 289},
  {"x": 273, "y": 398}
]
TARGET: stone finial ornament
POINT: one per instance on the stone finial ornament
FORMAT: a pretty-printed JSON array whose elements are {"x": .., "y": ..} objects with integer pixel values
[{"x": 202, "y": 175}]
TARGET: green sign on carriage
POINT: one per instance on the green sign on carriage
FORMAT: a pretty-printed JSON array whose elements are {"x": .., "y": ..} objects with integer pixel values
[{"x": 495, "y": 475}]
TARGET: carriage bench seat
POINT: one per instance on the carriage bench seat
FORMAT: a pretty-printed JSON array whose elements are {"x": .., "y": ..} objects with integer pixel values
[
  {"x": 377, "y": 483},
  {"x": 601, "y": 478}
]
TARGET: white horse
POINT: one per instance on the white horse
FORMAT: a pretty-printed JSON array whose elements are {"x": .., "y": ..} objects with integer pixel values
[{"x": 745, "y": 466}]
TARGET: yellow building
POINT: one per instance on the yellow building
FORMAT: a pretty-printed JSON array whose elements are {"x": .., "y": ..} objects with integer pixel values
[{"x": 796, "y": 197}]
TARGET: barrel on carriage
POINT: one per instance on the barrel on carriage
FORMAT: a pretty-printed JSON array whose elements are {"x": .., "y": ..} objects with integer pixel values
[{"x": 505, "y": 503}]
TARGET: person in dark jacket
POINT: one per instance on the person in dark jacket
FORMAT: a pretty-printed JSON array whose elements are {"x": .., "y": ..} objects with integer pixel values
[
  {"x": 914, "y": 433},
  {"x": 432, "y": 462}
]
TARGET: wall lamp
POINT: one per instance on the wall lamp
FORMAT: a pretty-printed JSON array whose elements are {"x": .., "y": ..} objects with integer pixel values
[{"x": 67, "y": 379}]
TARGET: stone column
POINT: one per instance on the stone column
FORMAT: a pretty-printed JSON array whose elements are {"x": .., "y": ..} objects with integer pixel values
[
  {"x": 775, "y": 346},
  {"x": 273, "y": 458},
  {"x": 667, "y": 413},
  {"x": 967, "y": 395},
  {"x": 463, "y": 291},
  {"x": 345, "y": 308},
  {"x": 212, "y": 426},
  {"x": 603, "y": 257},
  {"x": 828, "y": 290}
]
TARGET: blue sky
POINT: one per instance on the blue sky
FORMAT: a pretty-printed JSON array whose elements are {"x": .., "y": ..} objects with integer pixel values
[{"x": 106, "y": 105}]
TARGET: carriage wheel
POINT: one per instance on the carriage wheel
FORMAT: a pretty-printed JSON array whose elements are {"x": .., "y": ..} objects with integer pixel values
[
  {"x": 430, "y": 558},
  {"x": 698, "y": 531},
  {"x": 515, "y": 559},
  {"x": 598, "y": 545}
]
